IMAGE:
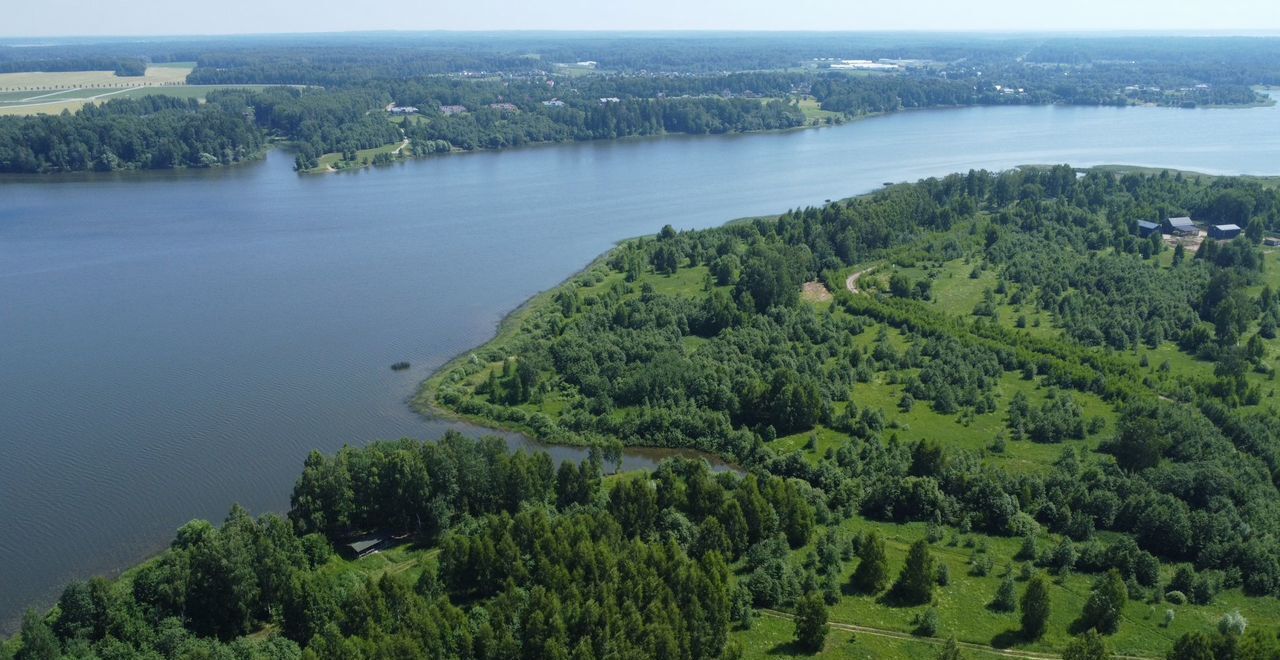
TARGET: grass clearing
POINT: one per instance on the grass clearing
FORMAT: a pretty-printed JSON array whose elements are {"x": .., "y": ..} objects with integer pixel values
[
  {"x": 813, "y": 113},
  {"x": 963, "y": 611},
  {"x": 333, "y": 161}
]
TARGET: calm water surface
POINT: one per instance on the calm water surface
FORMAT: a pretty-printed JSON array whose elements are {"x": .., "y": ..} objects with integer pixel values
[{"x": 173, "y": 343}]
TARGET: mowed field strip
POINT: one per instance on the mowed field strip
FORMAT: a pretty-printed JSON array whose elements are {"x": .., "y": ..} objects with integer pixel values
[
  {"x": 51, "y": 92},
  {"x": 174, "y": 73}
]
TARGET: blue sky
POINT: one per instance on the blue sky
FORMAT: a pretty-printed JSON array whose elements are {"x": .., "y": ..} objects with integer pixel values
[{"x": 151, "y": 17}]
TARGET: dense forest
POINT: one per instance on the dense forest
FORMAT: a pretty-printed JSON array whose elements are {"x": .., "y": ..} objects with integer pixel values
[
  {"x": 533, "y": 562},
  {"x": 485, "y": 92},
  {"x": 1029, "y": 427},
  {"x": 152, "y": 132}
]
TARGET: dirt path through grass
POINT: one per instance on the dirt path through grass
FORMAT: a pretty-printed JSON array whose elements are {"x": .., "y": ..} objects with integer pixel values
[{"x": 852, "y": 283}]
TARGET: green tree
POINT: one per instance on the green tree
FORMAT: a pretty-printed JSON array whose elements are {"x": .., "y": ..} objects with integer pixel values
[
  {"x": 1006, "y": 599},
  {"x": 914, "y": 585},
  {"x": 1106, "y": 604},
  {"x": 872, "y": 573},
  {"x": 1035, "y": 607},
  {"x": 38, "y": 641},
  {"x": 76, "y": 612},
  {"x": 811, "y": 622},
  {"x": 1140, "y": 444}
]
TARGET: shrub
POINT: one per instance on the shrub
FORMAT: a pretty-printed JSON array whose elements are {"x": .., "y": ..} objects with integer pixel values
[
  {"x": 1232, "y": 623},
  {"x": 928, "y": 626},
  {"x": 1006, "y": 599}
]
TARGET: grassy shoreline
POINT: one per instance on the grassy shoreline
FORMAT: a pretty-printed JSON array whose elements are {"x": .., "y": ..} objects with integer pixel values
[{"x": 424, "y": 399}]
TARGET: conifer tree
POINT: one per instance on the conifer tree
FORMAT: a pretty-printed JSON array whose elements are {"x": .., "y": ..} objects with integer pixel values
[
  {"x": 1035, "y": 607},
  {"x": 872, "y": 573},
  {"x": 915, "y": 583}
]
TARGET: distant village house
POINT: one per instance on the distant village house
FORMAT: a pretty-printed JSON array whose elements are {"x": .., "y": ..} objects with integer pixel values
[
  {"x": 1146, "y": 229},
  {"x": 403, "y": 110},
  {"x": 452, "y": 109}
]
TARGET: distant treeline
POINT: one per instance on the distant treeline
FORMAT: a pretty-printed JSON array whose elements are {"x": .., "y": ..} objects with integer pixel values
[
  {"x": 127, "y": 66},
  {"x": 477, "y": 92}
]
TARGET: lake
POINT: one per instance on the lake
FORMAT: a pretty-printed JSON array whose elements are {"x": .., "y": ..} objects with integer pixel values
[{"x": 172, "y": 343}]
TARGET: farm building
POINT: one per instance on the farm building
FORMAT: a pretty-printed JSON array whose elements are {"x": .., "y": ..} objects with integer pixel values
[
  {"x": 1271, "y": 241},
  {"x": 1146, "y": 229},
  {"x": 452, "y": 109},
  {"x": 1224, "y": 232},
  {"x": 1180, "y": 226},
  {"x": 364, "y": 547},
  {"x": 403, "y": 110}
]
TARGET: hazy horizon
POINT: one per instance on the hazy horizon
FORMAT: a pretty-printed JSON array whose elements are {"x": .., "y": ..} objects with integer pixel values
[
  {"x": 152, "y": 18},
  {"x": 1225, "y": 33}
]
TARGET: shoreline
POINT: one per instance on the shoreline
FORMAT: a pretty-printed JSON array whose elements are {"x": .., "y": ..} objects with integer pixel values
[
  {"x": 423, "y": 400},
  {"x": 278, "y": 143}
]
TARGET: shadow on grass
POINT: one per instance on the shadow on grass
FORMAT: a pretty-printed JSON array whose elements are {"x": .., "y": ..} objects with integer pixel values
[
  {"x": 849, "y": 589},
  {"x": 895, "y": 598},
  {"x": 788, "y": 648},
  {"x": 1080, "y": 626},
  {"x": 995, "y": 608},
  {"x": 1008, "y": 638}
]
